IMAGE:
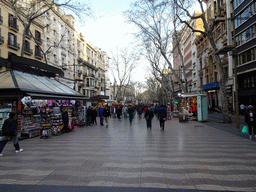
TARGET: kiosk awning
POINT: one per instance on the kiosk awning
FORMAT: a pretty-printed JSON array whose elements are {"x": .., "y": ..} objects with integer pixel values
[{"x": 38, "y": 87}]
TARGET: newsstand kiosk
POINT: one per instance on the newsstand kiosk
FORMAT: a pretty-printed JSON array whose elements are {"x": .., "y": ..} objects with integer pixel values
[{"x": 25, "y": 77}]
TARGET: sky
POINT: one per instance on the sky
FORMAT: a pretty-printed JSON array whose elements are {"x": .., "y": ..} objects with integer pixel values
[{"x": 109, "y": 30}]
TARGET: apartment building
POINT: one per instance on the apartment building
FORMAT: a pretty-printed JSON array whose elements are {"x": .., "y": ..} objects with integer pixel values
[
  {"x": 188, "y": 49},
  {"x": 208, "y": 71},
  {"x": 11, "y": 34},
  {"x": 83, "y": 64},
  {"x": 244, "y": 31}
]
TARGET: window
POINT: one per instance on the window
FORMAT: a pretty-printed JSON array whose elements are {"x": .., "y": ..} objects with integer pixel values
[
  {"x": 38, "y": 36},
  {"x": 13, "y": 21},
  {"x": 54, "y": 32},
  {"x": 12, "y": 40},
  {"x": 47, "y": 40},
  {"x": 27, "y": 45}
]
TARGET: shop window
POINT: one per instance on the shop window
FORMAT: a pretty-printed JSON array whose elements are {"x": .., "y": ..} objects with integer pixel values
[
  {"x": 245, "y": 83},
  {"x": 252, "y": 84},
  {"x": 248, "y": 82}
]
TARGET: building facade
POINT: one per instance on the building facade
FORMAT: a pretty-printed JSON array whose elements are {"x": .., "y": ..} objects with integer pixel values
[
  {"x": 244, "y": 23},
  {"x": 57, "y": 43},
  {"x": 11, "y": 34},
  {"x": 208, "y": 71}
]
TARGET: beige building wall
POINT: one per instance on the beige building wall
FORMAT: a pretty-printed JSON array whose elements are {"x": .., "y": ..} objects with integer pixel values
[{"x": 11, "y": 32}]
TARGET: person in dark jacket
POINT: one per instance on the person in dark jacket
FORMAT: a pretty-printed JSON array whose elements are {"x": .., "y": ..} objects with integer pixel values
[
  {"x": 162, "y": 114},
  {"x": 250, "y": 120},
  {"x": 149, "y": 116},
  {"x": 94, "y": 116},
  {"x": 65, "y": 120},
  {"x": 9, "y": 130},
  {"x": 131, "y": 113},
  {"x": 101, "y": 110},
  {"x": 89, "y": 116},
  {"x": 119, "y": 112},
  {"x": 106, "y": 114}
]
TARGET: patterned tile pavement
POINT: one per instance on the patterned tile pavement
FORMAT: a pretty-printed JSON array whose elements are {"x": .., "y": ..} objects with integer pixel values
[{"x": 187, "y": 156}]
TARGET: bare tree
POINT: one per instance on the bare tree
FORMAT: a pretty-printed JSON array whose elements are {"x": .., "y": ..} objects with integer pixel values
[
  {"x": 122, "y": 65},
  {"x": 152, "y": 88},
  {"x": 184, "y": 12},
  {"x": 155, "y": 21},
  {"x": 29, "y": 12}
]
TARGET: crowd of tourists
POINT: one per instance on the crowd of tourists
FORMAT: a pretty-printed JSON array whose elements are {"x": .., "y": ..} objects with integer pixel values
[{"x": 118, "y": 112}]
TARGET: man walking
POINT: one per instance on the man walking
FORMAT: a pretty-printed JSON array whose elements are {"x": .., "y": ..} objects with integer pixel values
[
  {"x": 106, "y": 114},
  {"x": 250, "y": 120},
  {"x": 101, "y": 110},
  {"x": 89, "y": 116},
  {"x": 162, "y": 113},
  {"x": 131, "y": 113},
  {"x": 9, "y": 130},
  {"x": 65, "y": 121},
  {"x": 148, "y": 116}
]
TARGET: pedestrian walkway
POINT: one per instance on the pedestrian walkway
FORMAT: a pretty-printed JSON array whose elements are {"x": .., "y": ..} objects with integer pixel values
[{"x": 189, "y": 156}]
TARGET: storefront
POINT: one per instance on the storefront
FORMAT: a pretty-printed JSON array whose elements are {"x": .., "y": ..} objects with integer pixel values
[{"x": 37, "y": 83}]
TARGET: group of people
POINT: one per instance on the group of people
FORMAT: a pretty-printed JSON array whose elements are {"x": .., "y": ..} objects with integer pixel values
[{"x": 127, "y": 111}]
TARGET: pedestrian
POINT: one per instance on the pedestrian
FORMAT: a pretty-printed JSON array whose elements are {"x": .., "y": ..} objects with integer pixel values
[
  {"x": 89, "y": 116},
  {"x": 114, "y": 112},
  {"x": 194, "y": 110},
  {"x": 149, "y": 114},
  {"x": 125, "y": 111},
  {"x": 242, "y": 107},
  {"x": 106, "y": 114},
  {"x": 119, "y": 112},
  {"x": 10, "y": 132},
  {"x": 94, "y": 116},
  {"x": 131, "y": 113},
  {"x": 250, "y": 120},
  {"x": 101, "y": 110},
  {"x": 162, "y": 114},
  {"x": 65, "y": 120}
]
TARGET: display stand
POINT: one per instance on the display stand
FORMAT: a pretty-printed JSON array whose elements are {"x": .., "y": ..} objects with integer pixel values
[
  {"x": 5, "y": 109},
  {"x": 30, "y": 124},
  {"x": 46, "y": 127},
  {"x": 57, "y": 123}
]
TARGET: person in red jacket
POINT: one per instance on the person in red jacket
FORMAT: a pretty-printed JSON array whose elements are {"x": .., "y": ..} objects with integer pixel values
[{"x": 9, "y": 130}]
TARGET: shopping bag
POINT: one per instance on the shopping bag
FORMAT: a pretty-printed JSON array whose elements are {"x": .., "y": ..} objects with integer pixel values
[
  {"x": 121, "y": 116},
  {"x": 127, "y": 115},
  {"x": 245, "y": 129}
]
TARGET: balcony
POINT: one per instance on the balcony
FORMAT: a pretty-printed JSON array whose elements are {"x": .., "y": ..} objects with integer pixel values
[
  {"x": 79, "y": 72},
  {"x": 1, "y": 39},
  {"x": 28, "y": 34},
  {"x": 79, "y": 59},
  {"x": 89, "y": 75},
  {"x": 28, "y": 51},
  {"x": 38, "y": 54},
  {"x": 13, "y": 27},
  {"x": 38, "y": 40},
  {"x": 1, "y": 19},
  {"x": 64, "y": 66},
  {"x": 15, "y": 46},
  {"x": 80, "y": 84}
]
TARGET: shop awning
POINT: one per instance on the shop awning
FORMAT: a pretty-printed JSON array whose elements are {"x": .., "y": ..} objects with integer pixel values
[
  {"x": 38, "y": 87},
  {"x": 100, "y": 97},
  {"x": 191, "y": 94}
]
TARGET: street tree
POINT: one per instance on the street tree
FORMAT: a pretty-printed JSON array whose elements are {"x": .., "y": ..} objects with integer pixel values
[
  {"x": 155, "y": 22},
  {"x": 30, "y": 11},
  {"x": 151, "y": 87},
  {"x": 123, "y": 63},
  {"x": 184, "y": 13}
]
